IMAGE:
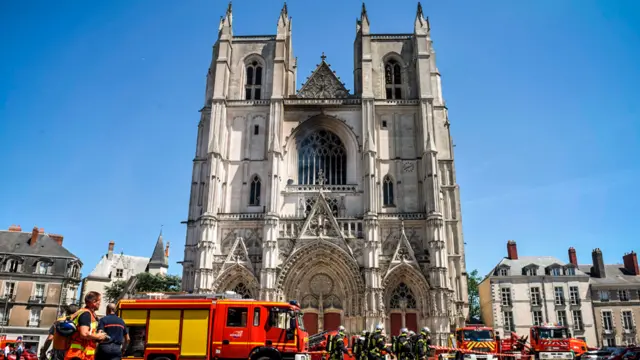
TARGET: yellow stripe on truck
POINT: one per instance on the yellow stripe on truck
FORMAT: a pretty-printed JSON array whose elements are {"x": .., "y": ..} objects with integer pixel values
[
  {"x": 195, "y": 326},
  {"x": 134, "y": 317},
  {"x": 164, "y": 327}
]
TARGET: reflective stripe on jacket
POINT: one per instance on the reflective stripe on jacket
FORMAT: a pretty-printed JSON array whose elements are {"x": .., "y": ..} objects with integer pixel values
[{"x": 82, "y": 349}]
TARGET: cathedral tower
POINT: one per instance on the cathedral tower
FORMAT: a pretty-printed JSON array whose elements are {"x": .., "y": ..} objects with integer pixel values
[{"x": 345, "y": 201}]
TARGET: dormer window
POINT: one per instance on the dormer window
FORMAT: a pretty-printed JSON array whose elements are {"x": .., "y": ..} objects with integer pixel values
[
  {"x": 119, "y": 273},
  {"x": 570, "y": 271},
  {"x": 393, "y": 80},
  {"x": 503, "y": 271},
  {"x": 555, "y": 271},
  {"x": 73, "y": 271},
  {"x": 253, "y": 84},
  {"x": 530, "y": 271},
  {"x": 43, "y": 268},
  {"x": 12, "y": 266}
]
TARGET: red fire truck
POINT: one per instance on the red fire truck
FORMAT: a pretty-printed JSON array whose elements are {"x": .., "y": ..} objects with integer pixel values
[
  {"x": 549, "y": 341},
  {"x": 479, "y": 341},
  {"x": 220, "y": 326}
]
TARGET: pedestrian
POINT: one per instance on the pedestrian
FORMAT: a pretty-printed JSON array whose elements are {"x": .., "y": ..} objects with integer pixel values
[
  {"x": 19, "y": 349},
  {"x": 60, "y": 342},
  {"x": 7, "y": 351},
  {"x": 83, "y": 342},
  {"x": 118, "y": 336}
]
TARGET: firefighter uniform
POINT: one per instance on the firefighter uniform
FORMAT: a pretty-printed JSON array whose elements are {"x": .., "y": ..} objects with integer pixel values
[
  {"x": 337, "y": 348},
  {"x": 378, "y": 344},
  {"x": 422, "y": 344},
  {"x": 359, "y": 347},
  {"x": 402, "y": 346},
  {"x": 79, "y": 348}
]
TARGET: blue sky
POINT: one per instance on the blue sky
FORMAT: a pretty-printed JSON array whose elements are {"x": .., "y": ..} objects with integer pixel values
[{"x": 99, "y": 104}]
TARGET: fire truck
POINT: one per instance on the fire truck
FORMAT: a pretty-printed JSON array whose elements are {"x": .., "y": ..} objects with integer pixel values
[
  {"x": 479, "y": 341},
  {"x": 213, "y": 326},
  {"x": 549, "y": 341}
]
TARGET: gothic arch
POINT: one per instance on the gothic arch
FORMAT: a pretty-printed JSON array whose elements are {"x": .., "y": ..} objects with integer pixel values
[
  {"x": 253, "y": 61},
  {"x": 343, "y": 270},
  {"x": 404, "y": 74},
  {"x": 413, "y": 279},
  {"x": 324, "y": 122},
  {"x": 235, "y": 275}
]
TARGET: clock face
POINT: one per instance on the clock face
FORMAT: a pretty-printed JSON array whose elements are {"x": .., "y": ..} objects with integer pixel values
[{"x": 408, "y": 166}]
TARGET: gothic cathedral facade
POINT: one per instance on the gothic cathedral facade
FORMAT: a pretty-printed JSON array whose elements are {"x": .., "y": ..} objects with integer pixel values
[{"x": 345, "y": 201}]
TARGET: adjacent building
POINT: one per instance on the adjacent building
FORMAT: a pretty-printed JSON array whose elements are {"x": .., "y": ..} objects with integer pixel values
[
  {"x": 120, "y": 267},
  {"x": 615, "y": 294},
  {"x": 521, "y": 292},
  {"x": 38, "y": 277},
  {"x": 346, "y": 200}
]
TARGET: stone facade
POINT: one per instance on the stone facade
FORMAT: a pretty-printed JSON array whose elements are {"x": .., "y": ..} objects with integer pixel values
[
  {"x": 345, "y": 201},
  {"x": 38, "y": 277},
  {"x": 615, "y": 294},
  {"x": 120, "y": 267},
  {"x": 524, "y": 291}
]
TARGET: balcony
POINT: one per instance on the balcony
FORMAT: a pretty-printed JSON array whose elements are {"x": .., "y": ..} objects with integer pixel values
[
  {"x": 575, "y": 302},
  {"x": 7, "y": 298},
  {"x": 37, "y": 299},
  {"x": 609, "y": 331},
  {"x": 33, "y": 323},
  {"x": 560, "y": 302},
  {"x": 630, "y": 330},
  {"x": 4, "y": 322}
]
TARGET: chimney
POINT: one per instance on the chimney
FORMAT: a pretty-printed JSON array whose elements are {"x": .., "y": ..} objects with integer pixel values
[
  {"x": 512, "y": 250},
  {"x": 572, "y": 256},
  {"x": 34, "y": 236},
  {"x": 630, "y": 261},
  {"x": 166, "y": 250},
  {"x": 15, "y": 228},
  {"x": 112, "y": 244},
  {"x": 57, "y": 238},
  {"x": 597, "y": 269}
]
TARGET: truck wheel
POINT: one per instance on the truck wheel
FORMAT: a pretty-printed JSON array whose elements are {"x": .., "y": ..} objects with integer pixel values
[
  {"x": 162, "y": 358},
  {"x": 262, "y": 358}
]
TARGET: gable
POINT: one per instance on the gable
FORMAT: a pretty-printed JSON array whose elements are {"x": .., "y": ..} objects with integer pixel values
[{"x": 323, "y": 84}]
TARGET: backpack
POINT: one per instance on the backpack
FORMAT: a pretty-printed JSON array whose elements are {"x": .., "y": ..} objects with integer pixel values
[{"x": 65, "y": 327}]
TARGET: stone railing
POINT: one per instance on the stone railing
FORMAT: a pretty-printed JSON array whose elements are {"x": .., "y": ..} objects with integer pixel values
[
  {"x": 350, "y": 228},
  {"x": 241, "y": 216},
  {"x": 309, "y": 188}
]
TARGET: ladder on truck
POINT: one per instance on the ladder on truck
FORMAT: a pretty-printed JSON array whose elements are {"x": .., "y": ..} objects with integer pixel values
[{"x": 187, "y": 296}]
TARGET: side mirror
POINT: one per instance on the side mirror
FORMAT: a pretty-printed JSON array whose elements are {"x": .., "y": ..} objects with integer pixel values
[{"x": 292, "y": 324}]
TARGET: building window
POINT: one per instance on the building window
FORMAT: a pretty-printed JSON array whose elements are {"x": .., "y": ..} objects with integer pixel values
[
  {"x": 119, "y": 273},
  {"x": 254, "y": 81},
  {"x": 604, "y": 295},
  {"x": 574, "y": 295},
  {"x": 537, "y": 318},
  {"x": 609, "y": 342},
  {"x": 384, "y": 124},
  {"x": 627, "y": 320},
  {"x": 562, "y": 317},
  {"x": 623, "y": 295},
  {"x": 34, "y": 318},
  {"x": 4, "y": 319},
  {"x": 256, "y": 129},
  {"x": 9, "y": 289},
  {"x": 577, "y": 320},
  {"x": 607, "y": 321},
  {"x": 402, "y": 296},
  {"x": 570, "y": 271},
  {"x": 74, "y": 271},
  {"x": 505, "y": 294},
  {"x": 536, "y": 299},
  {"x": 43, "y": 268},
  {"x": 531, "y": 271},
  {"x": 555, "y": 271},
  {"x": 503, "y": 271},
  {"x": 393, "y": 79},
  {"x": 12, "y": 265},
  {"x": 322, "y": 157},
  {"x": 39, "y": 292},
  {"x": 387, "y": 191},
  {"x": 509, "y": 326},
  {"x": 559, "y": 295},
  {"x": 254, "y": 195}
]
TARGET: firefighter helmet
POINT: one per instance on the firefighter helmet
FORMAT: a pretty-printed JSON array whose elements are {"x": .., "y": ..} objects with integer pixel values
[
  {"x": 379, "y": 327},
  {"x": 404, "y": 331},
  {"x": 412, "y": 333},
  {"x": 340, "y": 328},
  {"x": 426, "y": 330}
]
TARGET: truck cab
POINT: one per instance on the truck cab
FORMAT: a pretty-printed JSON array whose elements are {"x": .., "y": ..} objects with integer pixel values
[
  {"x": 221, "y": 326},
  {"x": 479, "y": 339},
  {"x": 551, "y": 341}
]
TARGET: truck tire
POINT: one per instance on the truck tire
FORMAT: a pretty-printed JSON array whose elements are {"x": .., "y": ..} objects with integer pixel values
[{"x": 161, "y": 357}]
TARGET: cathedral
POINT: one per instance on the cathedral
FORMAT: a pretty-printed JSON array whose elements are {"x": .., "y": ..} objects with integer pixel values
[{"x": 345, "y": 201}]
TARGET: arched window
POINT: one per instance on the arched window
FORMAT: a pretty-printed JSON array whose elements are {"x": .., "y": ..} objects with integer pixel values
[
  {"x": 387, "y": 191},
  {"x": 254, "y": 196},
  {"x": 402, "y": 297},
  {"x": 253, "y": 81},
  {"x": 44, "y": 267},
  {"x": 322, "y": 158},
  {"x": 241, "y": 289},
  {"x": 393, "y": 79},
  {"x": 12, "y": 265}
]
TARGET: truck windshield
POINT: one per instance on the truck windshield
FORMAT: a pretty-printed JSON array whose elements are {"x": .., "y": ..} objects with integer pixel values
[
  {"x": 478, "y": 335},
  {"x": 300, "y": 321},
  {"x": 553, "y": 333}
]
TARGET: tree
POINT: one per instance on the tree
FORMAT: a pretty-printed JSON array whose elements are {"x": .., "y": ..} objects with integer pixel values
[
  {"x": 146, "y": 283},
  {"x": 473, "y": 280}
]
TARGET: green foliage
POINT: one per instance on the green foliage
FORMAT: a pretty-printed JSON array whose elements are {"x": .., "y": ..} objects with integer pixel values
[
  {"x": 146, "y": 283},
  {"x": 473, "y": 280}
]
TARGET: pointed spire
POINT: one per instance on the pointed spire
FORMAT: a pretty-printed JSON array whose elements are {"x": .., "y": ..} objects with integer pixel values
[
  {"x": 323, "y": 57},
  {"x": 283, "y": 19},
  {"x": 285, "y": 11},
  {"x": 419, "y": 13},
  {"x": 364, "y": 20},
  {"x": 158, "y": 257},
  {"x": 421, "y": 24},
  {"x": 431, "y": 146},
  {"x": 226, "y": 24}
]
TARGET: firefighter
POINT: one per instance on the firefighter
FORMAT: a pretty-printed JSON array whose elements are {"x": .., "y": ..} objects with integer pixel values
[
  {"x": 422, "y": 344},
  {"x": 83, "y": 342},
  {"x": 60, "y": 343},
  {"x": 402, "y": 346},
  {"x": 359, "y": 351},
  {"x": 378, "y": 344},
  {"x": 338, "y": 348}
]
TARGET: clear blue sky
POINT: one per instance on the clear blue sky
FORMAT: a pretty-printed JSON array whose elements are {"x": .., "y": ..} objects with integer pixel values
[{"x": 99, "y": 104}]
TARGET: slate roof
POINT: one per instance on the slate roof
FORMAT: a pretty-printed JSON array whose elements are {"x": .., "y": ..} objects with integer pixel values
[
  {"x": 19, "y": 243},
  {"x": 106, "y": 265},
  {"x": 516, "y": 266},
  {"x": 616, "y": 274},
  {"x": 158, "y": 258}
]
